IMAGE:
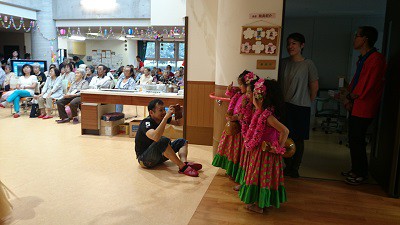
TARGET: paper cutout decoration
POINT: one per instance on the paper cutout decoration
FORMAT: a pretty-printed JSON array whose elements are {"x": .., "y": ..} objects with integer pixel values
[{"x": 260, "y": 40}]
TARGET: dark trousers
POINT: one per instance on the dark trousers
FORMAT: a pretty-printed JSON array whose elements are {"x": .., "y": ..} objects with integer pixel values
[
  {"x": 357, "y": 131},
  {"x": 73, "y": 105}
]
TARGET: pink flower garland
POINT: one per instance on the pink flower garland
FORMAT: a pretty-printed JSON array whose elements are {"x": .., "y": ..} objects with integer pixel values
[
  {"x": 233, "y": 101},
  {"x": 247, "y": 111},
  {"x": 251, "y": 140},
  {"x": 232, "y": 92},
  {"x": 256, "y": 131}
]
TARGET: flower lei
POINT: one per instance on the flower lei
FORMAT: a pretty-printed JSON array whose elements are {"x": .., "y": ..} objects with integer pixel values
[
  {"x": 246, "y": 110},
  {"x": 256, "y": 130},
  {"x": 233, "y": 101},
  {"x": 259, "y": 89},
  {"x": 249, "y": 77}
]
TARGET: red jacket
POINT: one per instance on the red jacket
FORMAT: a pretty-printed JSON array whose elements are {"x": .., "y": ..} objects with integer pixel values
[{"x": 369, "y": 87}]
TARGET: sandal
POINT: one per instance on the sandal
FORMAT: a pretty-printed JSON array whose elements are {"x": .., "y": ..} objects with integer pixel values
[
  {"x": 196, "y": 166},
  {"x": 348, "y": 173},
  {"x": 189, "y": 171},
  {"x": 356, "y": 180}
]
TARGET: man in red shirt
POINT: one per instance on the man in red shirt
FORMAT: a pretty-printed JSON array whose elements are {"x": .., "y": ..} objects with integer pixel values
[
  {"x": 140, "y": 62},
  {"x": 365, "y": 92}
]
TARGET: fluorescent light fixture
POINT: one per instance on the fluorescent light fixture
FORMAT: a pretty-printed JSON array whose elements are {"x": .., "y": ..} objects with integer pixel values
[
  {"x": 77, "y": 38},
  {"x": 122, "y": 38},
  {"x": 94, "y": 34},
  {"x": 130, "y": 36},
  {"x": 99, "y": 5}
]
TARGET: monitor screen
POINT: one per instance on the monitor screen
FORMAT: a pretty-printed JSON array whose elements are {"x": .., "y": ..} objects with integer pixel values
[{"x": 16, "y": 65}]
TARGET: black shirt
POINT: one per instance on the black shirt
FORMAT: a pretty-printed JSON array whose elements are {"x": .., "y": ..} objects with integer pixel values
[
  {"x": 41, "y": 77},
  {"x": 142, "y": 142}
]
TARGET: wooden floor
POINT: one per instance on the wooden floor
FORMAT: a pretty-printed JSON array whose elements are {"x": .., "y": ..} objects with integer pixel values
[{"x": 310, "y": 201}]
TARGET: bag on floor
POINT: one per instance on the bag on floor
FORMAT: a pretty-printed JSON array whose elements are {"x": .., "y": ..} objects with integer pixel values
[{"x": 35, "y": 111}]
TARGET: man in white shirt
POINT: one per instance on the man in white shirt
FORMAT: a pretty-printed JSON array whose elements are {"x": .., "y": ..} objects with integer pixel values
[{"x": 101, "y": 80}]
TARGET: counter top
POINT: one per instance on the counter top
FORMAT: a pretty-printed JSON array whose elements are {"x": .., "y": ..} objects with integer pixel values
[{"x": 131, "y": 93}]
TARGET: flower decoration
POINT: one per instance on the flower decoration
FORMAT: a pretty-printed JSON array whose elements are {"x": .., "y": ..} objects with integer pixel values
[
  {"x": 259, "y": 89},
  {"x": 271, "y": 34},
  {"x": 258, "y": 47},
  {"x": 249, "y": 77},
  {"x": 248, "y": 34},
  {"x": 259, "y": 34},
  {"x": 270, "y": 48},
  {"x": 246, "y": 47}
]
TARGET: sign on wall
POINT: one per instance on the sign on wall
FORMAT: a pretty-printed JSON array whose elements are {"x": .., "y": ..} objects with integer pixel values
[{"x": 260, "y": 40}]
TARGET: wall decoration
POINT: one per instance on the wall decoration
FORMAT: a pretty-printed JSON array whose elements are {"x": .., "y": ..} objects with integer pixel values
[
  {"x": 260, "y": 40},
  {"x": 266, "y": 64}
]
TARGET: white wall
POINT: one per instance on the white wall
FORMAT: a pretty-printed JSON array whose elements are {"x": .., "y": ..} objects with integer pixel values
[
  {"x": 202, "y": 39},
  {"x": 117, "y": 46},
  {"x": 28, "y": 42},
  {"x": 232, "y": 15},
  {"x": 168, "y": 12},
  {"x": 329, "y": 43}
]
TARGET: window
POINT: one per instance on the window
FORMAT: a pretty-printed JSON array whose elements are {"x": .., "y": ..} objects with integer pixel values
[{"x": 160, "y": 54}]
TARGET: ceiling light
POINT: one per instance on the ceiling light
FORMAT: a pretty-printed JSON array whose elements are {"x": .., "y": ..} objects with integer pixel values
[
  {"x": 99, "y": 5},
  {"x": 77, "y": 38},
  {"x": 122, "y": 38}
]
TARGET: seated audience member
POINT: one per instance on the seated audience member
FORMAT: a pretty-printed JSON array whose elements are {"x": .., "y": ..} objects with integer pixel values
[
  {"x": 102, "y": 80},
  {"x": 47, "y": 72},
  {"x": 78, "y": 61},
  {"x": 25, "y": 88},
  {"x": 68, "y": 74},
  {"x": 63, "y": 64},
  {"x": 165, "y": 79},
  {"x": 15, "y": 55},
  {"x": 169, "y": 69},
  {"x": 152, "y": 148},
  {"x": 73, "y": 97},
  {"x": 125, "y": 82},
  {"x": 178, "y": 79},
  {"x": 89, "y": 73},
  {"x": 139, "y": 74},
  {"x": 51, "y": 90},
  {"x": 146, "y": 78},
  {"x": 154, "y": 72},
  {"x": 2, "y": 77},
  {"x": 41, "y": 77},
  {"x": 11, "y": 79}
]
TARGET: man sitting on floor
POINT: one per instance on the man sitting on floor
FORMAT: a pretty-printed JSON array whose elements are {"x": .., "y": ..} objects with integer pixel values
[{"x": 152, "y": 148}]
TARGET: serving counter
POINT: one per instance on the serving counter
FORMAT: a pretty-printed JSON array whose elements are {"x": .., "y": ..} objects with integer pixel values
[{"x": 95, "y": 103}]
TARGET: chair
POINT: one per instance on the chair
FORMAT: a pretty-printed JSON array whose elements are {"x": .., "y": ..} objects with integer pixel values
[{"x": 329, "y": 109}]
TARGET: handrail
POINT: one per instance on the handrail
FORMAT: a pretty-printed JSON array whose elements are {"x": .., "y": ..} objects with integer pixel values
[
  {"x": 212, "y": 95},
  {"x": 219, "y": 100}
]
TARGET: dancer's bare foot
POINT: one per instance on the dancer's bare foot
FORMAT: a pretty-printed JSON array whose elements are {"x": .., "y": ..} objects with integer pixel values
[
  {"x": 254, "y": 208},
  {"x": 237, "y": 187}
]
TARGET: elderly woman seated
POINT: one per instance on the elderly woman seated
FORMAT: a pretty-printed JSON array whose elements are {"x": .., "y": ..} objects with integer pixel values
[
  {"x": 73, "y": 97},
  {"x": 52, "y": 89},
  {"x": 125, "y": 81}
]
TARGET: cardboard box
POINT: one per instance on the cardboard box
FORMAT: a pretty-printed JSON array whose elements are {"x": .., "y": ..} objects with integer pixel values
[
  {"x": 104, "y": 123},
  {"x": 109, "y": 131},
  {"x": 124, "y": 128},
  {"x": 110, "y": 128},
  {"x": 133, "y": 127}
]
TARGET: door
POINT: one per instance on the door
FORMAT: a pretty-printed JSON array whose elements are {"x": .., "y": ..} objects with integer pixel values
[
  {"x": 9, "y": 49},
  {"x": 384, "y": 160}
]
